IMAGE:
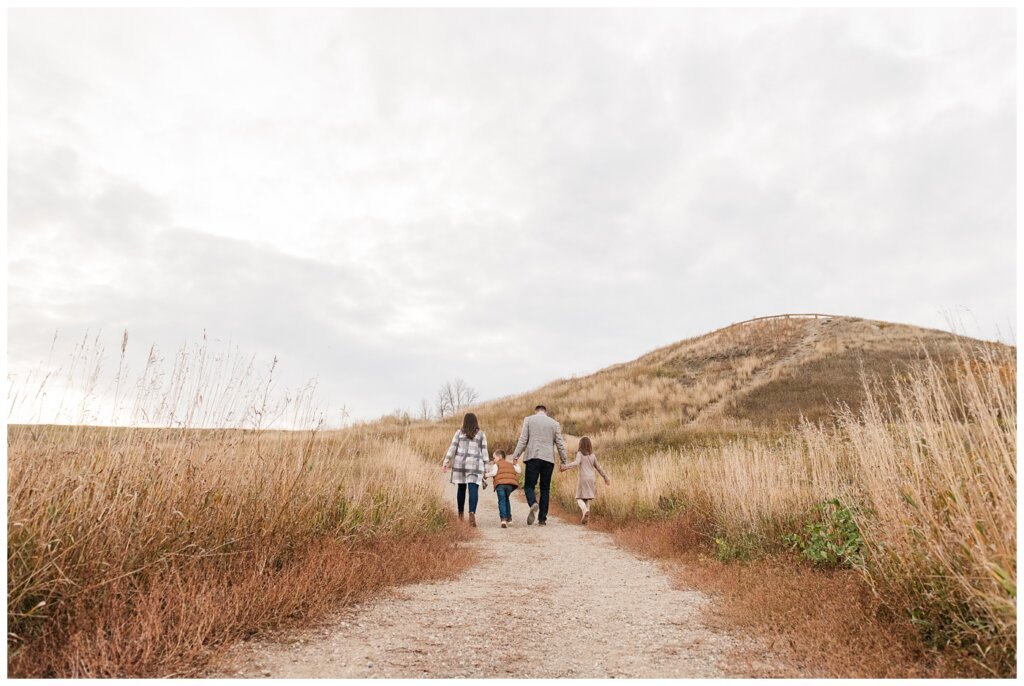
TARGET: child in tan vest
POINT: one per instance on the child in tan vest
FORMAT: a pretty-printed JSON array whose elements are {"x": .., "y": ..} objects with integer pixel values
[{"x": 506, "y": 480}]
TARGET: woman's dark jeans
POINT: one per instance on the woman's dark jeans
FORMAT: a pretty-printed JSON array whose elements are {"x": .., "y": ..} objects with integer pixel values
[
  {"x": 460, "y": 497},
  {"x": 504, "y": 506}
]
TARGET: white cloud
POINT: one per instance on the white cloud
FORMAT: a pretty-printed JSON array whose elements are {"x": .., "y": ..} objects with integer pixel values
[{"x": 386, "y": 199}]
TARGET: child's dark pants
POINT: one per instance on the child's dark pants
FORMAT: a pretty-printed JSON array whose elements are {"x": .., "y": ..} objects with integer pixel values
[{"x": 504, "y": 506}]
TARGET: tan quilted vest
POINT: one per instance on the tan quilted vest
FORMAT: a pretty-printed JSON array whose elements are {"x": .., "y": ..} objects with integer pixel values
[{"x": 506, "y": 475}]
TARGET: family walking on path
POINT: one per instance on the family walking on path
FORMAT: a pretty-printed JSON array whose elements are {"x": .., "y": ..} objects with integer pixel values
[{"x": 541, "y": 436}]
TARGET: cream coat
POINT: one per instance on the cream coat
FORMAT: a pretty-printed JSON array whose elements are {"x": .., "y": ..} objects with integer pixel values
[{"x": 586, "y": 487}]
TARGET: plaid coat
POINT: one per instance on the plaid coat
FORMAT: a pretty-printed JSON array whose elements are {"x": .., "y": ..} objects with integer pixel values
[{"x": 468, "y": 457}]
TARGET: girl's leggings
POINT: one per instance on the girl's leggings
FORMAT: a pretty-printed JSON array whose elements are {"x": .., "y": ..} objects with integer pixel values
[{"x": 460, "y": 497}]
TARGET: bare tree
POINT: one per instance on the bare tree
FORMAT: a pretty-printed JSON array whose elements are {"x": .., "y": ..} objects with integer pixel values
[
  {"x": 464, "y": 394},
  {"x": 424, "y": 414},
  {"x": 453, "y": 396},
  {"x": 444, "y": 404}
]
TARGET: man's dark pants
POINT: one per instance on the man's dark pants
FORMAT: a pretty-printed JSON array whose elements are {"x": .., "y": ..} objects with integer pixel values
[{"x": 538, "y": 469}]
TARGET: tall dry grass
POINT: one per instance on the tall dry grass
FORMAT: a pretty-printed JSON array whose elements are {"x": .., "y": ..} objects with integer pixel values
[
  {"x": 935, "y": 474},
  {"x": 136, "y": 551},
  {"x": 927, "y": 469}
]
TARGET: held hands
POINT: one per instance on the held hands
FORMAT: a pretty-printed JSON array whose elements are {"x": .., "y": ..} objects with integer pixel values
[{"x": 444, "y": 468}]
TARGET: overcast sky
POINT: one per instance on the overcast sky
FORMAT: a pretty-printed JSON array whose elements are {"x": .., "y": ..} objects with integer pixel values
[{"x": 389, "y": 199}]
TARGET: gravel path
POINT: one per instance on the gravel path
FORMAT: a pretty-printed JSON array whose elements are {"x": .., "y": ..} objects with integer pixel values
[{"x": 554, "y": 601}]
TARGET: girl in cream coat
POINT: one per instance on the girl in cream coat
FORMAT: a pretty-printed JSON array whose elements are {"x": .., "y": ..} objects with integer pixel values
[{"x": 586, "y": 487}]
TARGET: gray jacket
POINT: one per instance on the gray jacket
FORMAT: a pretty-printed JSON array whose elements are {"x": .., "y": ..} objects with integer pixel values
[{"x": 540, "y": 436}]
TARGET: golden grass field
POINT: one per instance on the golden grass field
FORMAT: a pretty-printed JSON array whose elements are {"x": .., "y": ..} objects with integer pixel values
[
  {"x": 836, "y": 453},
  {"x": 133, "y": 552}
]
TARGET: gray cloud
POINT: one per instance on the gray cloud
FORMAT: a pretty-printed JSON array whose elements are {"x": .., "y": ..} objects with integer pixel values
[{"x": 386, "y": 199}]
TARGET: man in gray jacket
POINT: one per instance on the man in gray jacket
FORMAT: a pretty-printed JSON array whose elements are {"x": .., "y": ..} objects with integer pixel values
[{"x": 540, "y": 436}]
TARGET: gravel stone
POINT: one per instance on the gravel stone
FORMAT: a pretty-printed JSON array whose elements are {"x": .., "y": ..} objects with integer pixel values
[{"x": 584, "y": 608}]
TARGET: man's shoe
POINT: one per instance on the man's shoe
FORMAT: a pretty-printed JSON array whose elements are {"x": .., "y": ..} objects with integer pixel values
[
  {"x": 472, "y": 519},
  {"x": 530, "y": 518},
  {"x": 543, "y": 522},
  {"x": 461, "y": 516},
  {"x": 504, "y": 525}
]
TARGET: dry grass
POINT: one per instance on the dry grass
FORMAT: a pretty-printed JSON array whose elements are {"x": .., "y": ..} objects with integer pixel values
[
  {"x": 937, "y": 486},
  {"x": 667, "y": 387},
  {"x": 742, "y": 490},
  {"x": 137, "y": 551},
  {"x": 814, "y": 623},
  {"x": 929, "y": 477},
  {"x": 923, "y": 458},
  {"x": 675, "y": 386},
  {"x": 811, "y": 390}
]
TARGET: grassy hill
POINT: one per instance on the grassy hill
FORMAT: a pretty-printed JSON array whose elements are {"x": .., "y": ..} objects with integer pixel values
[{"x": 756, "y": 378}]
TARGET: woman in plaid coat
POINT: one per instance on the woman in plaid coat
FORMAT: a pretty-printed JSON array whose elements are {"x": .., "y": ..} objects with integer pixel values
[{"x": 467, "y": 457}]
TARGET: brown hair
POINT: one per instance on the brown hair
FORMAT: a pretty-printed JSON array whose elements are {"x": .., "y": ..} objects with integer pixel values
[
  {"x": 585, "y": 446},
  {"x": 470, "y": 425}
]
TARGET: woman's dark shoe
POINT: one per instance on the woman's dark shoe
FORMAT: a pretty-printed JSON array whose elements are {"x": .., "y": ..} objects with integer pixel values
[
  {"x": 461, "y": 516},
  {"x": 472, "y": 519},
  {"x": 543, "y": 522}
]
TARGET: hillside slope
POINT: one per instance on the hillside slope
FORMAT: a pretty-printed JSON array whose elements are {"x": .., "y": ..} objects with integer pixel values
[{"x": 757, "y": 377}]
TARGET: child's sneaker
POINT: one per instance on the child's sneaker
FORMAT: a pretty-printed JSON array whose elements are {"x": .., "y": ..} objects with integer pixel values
[{"x": 504, "y": 525}]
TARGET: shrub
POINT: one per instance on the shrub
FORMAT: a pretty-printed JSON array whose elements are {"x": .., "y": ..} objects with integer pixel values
[
  {"x": 833, "y": 539},
  {"x": 736, "y": 548}
]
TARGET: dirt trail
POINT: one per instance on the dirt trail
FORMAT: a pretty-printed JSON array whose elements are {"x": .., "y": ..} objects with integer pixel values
[{"x": 553, "y": 601}]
